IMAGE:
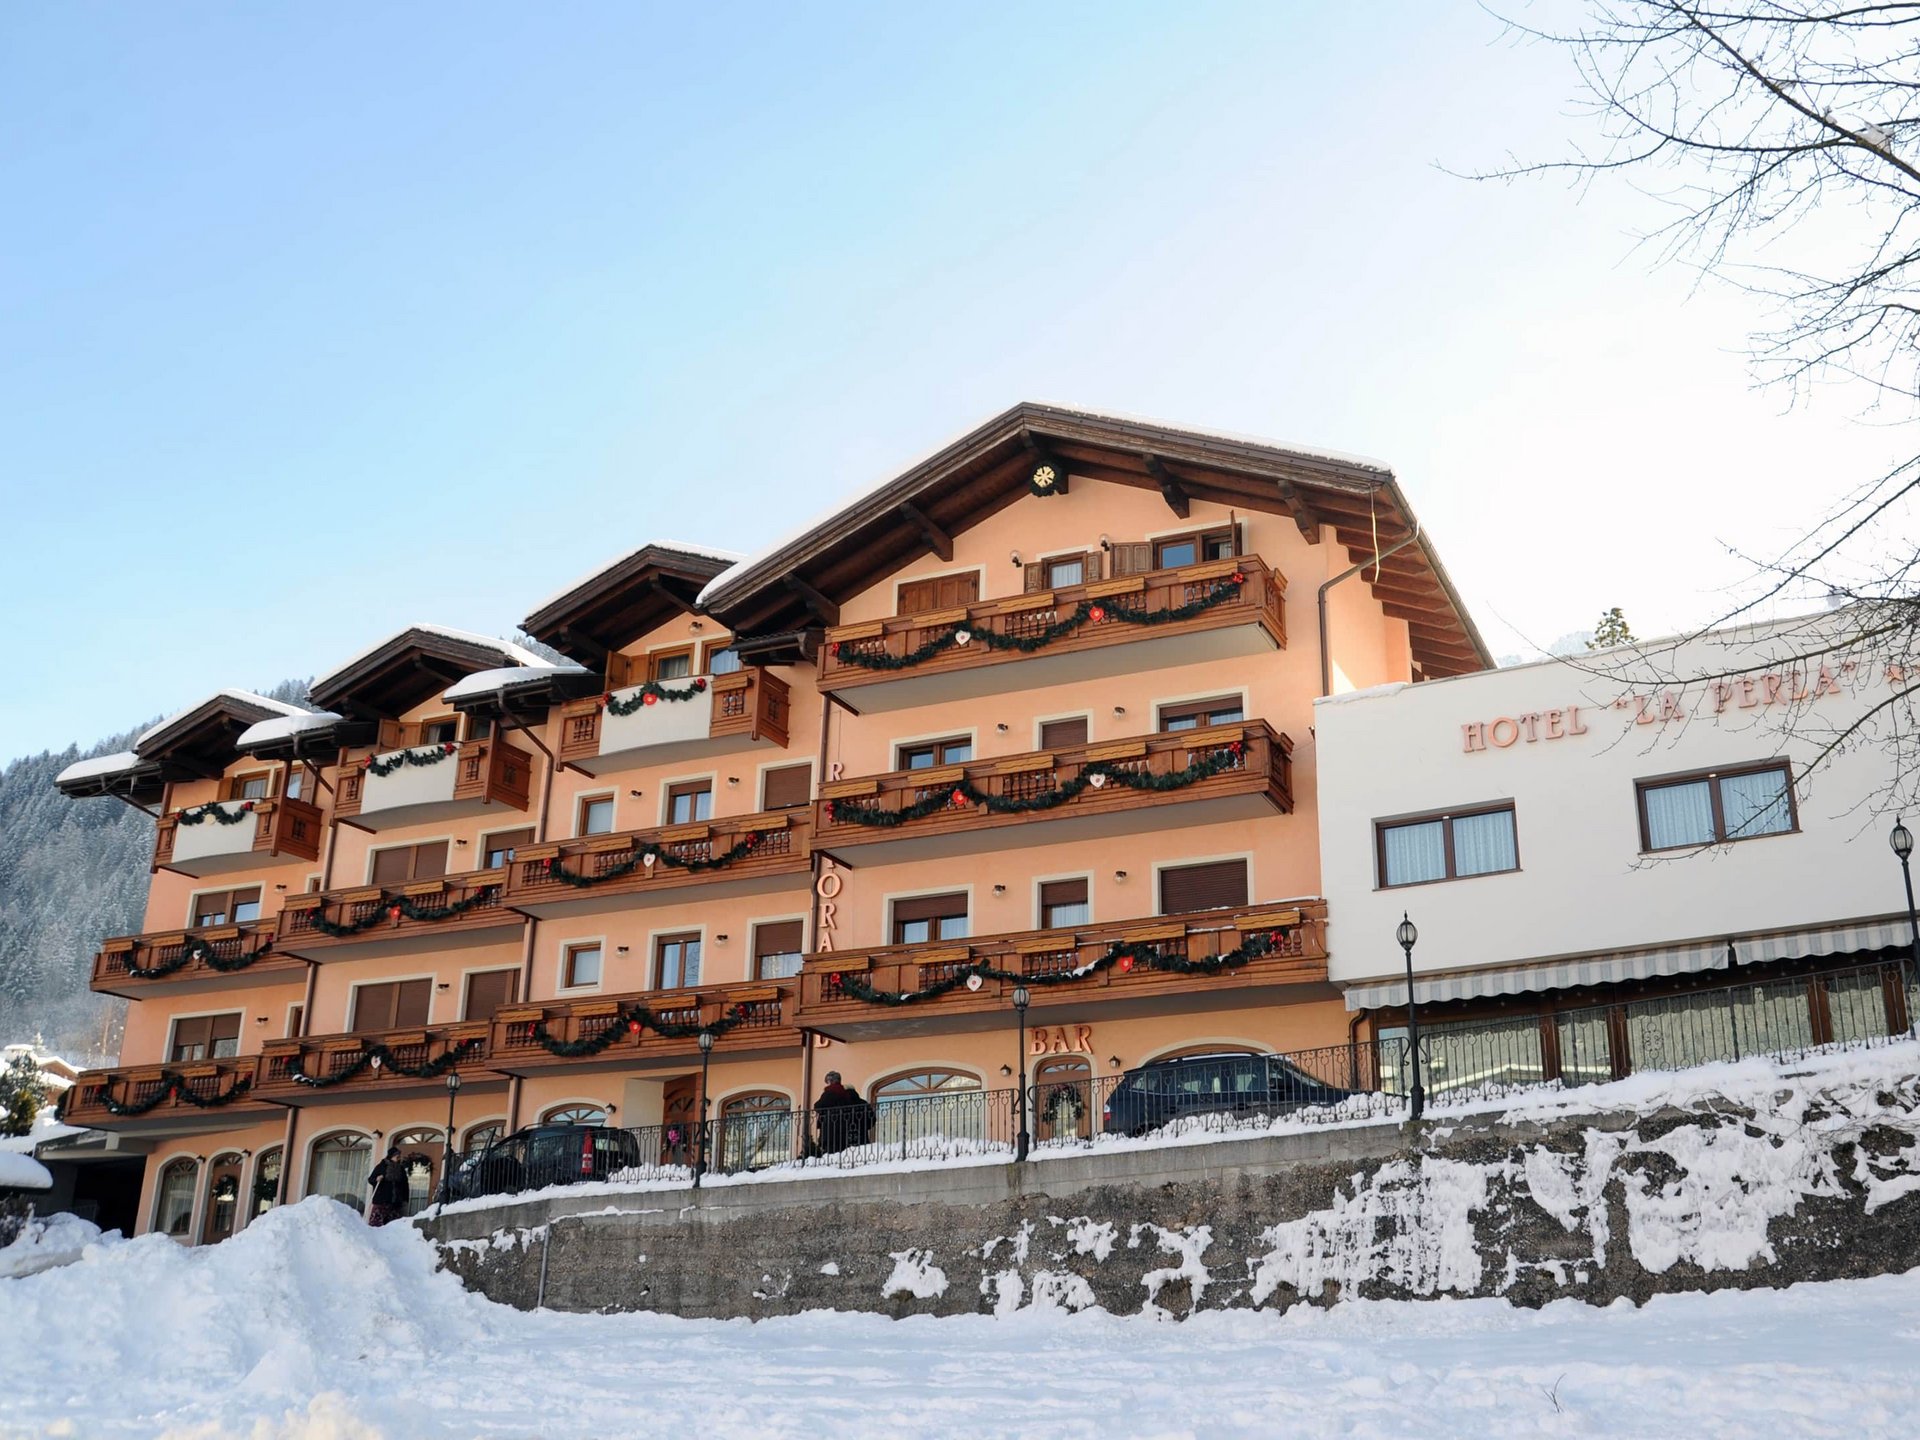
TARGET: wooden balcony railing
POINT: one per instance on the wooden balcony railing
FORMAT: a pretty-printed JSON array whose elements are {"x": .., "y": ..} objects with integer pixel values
[
  {"x": 761, "y": 1011},
  {"x": 595, "y": 867},
  {"x": 1295, "y": 930},
  {"x": 366, "y": 1063},
  {"x": 164, "y": 1096},
  {"x": 379, "y": 913},
  {"x": 745, "y": 707},
  {"x": 1246, "y": 758},
  {"x": 1258, "y": 600},
  {"x": 483, "y": 772},
  {"x": 233, "y": 954},
  {"x": 274, "y": 830}
]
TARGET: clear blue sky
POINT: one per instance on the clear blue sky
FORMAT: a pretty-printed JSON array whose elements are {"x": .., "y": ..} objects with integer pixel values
[{"x": 315, "y": 320}]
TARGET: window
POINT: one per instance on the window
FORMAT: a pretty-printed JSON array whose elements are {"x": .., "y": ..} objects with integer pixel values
[
  {"x": 253, "y": 787},
  {"x": 776, "y": 949},
  {"x": 1063, "y": 734},
  {"x": 227, "y": 907},
  {"x": 755, "y": 1130},
  {"x": 786, "y": 787},
  {"x": 580, "y": 965},
  {"x": 1216, "y": 885},
  {"x": 676, "y": 961},
  {"x": 722, "y": 659},
  {"x": 339, "y": 1168},
  {"x": 1067, "y": 570},
  {"x": 689, "y": 801},
  {"x": 442, "y": 730},
  {"x": 1448, "y": 847},
  {"x": 595, "y": 815},
  {"x": 1064, "y": 903},
  {"x": 295, "y": 1015},
  {"x": 266, "y": 1182},
  {"x": 671, "y": 664},
  {"x": 205, "y": 1037},
  {"x": 1172, "y": 551},
  {"x": 942, "y": 592},
  {"x": 497, "y": 849},
  {"x": 575, "y": 1115},
  {"x": 1717, "y": 807},
  {"x": 926, "y": 754},
  {"x": 390, "y": 1005},
  {"x": 173, "y": 1207},
  {"x": 222, "y": 1210},
  {"x": 296, "y": 782},
  {"x": 929, "y": 917},
  {"x": 487, "y": 991},
  {"x": 399, "y": 864},
  {"x": 1198, "y": 714}
]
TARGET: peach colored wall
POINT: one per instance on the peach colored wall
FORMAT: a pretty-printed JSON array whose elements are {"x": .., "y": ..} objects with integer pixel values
[
  {"x": 207, "y": 1144},
  {"x": 334, "y": 985},
  {"x": 170, "y": 896},
  {"x": 721, "y": 961},
  {"x": 609, "y": 1087},
  {"x": 149, "y": 1022}
]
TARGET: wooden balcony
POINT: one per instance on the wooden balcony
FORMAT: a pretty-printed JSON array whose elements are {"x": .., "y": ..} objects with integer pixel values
[
  {"x": 476, "y": 776},
  {"x": 1295, "y": 969},
  {"x": 771, "y": 851},
  {"x": 764, "y": 1010},
  {"x": 372, "y": 1064},
  {"x": 445, "y": 914},
  {"x": 178, "y": 962},
  {"x": 1252, "y": 621},
  {"x": 164, "y": 1095},
  {"x": 1251, "y": 780},
  {"x": 254, "y": 833},
  {"x": 721, "y": 714}
]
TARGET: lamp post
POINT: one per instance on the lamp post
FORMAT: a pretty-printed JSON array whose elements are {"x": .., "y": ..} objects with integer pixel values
[
  {"x": 1022, "y": 997},
  {"x": 1406, "y": 934},
  {"x": 706, "y": 1060},
  {"x": 1902, "y": 842},
  {"x": 446, "y": 1155}
]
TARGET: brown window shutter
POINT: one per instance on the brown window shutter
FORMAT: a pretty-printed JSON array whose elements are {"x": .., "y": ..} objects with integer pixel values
[
  {"x": 411, "y": 1002},
  {"x": 393, "y": 867},
  {"x": 205, "y": 905},
  {"x": 225, "y": 1027},
  {"x": 1132, "y": 558},
  {"x": 372, "y": 1008},
  {"x": 430, "y": 860},
  {"x": 959, "y": 590},
  {"x": 294, "y": 1016},
  {"x": 229, "y": 787},
  {"x": 780, "y": 938},
  {"x": 1062, "y": 734},
  {"x": 1036, "y": 577},
  {"x": 488, "y": 991},
  {"x": 787, "y": 787},
  {"x": 619, "y": 667},
  {"x": 503, "y": 842},
  {"x": 1094, "y": 557},
  {"x": 916, "y": 595},
  {"x": 192, "y": 1032},
  {"x": 928, "y": 907},
  {"x": 1063, "y": 892},
  {"x": 1214, "y": 886}
]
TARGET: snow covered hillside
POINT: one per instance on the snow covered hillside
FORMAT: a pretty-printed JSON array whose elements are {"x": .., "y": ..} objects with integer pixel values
[{"x": 310, "y": 1325}]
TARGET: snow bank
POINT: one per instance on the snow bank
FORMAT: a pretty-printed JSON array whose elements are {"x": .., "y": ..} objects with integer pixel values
[
  {"x": 49, "y": 1241},
  {"x": 23, "y": 1172}
]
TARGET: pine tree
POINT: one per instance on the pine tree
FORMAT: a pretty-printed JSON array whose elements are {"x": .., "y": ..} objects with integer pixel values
[
  {"x": 1611, "y": 631},
  {"x": 22, "y": 1093}
]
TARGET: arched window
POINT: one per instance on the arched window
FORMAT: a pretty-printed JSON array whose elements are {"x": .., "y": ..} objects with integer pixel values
[
  {"x": 339, "y": 1167},
  {"x": 575, "y": 1115},
  {"x": 924, "y": 1112},
  {"x": 173, "y": 1198},
  {"x": 756, "y": 1130},
  {"x": 266, "y": 1182},
  {"x": 478, "y": 1137},
  {"x": 1063, "y": 1099},
  {"x": 421, "y": 1152},
  {"x": 221, "y": 1214}
]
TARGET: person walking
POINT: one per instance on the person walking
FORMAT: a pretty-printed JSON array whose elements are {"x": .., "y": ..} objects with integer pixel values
[{"x": 390, "y": 1189}]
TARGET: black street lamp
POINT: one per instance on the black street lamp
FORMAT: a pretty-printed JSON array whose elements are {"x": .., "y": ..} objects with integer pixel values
[
  {"x": 1406, "y": 935},
  {"x": 706, "y": 1061},
  {"x": 1022, "y": 997},
  {"x": 1902, "y": 842},
  {"x": 446, "y": 1153}
]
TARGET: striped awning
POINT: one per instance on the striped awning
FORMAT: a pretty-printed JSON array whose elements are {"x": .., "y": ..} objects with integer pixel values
[{"x": 1584, "y": 970}]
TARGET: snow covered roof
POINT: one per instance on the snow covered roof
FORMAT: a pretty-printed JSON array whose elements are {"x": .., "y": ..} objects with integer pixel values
[
  {"x": 614, "y": 605},
  {"x": 486, "y": 682},
  {"x": 518, "y": 654},
  {"x": 242, "y": 697},
  {"x": 413, "y": 665},
  {"x": 285, "y": 727},
  {"x": 23, "y": 1172},
  {"x": 120, "y": 762},
  {"x": 704, "y": 552}
]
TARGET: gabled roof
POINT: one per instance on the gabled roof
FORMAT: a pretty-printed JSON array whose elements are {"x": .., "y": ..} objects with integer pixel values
[
  {"x": 618, "y": 603},
  {"x": 411, "y": 666},
  {"x": 797, "y": 582},
  {"x": 199, "y": 741},
  {"x": 121, "y": 773},
  {"x": 312, "y": 734},
  {"x": 521, "y": 692}
]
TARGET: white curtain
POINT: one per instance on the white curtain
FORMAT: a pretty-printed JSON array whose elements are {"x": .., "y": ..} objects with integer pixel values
[
  {"x": 1484, "y": 844},
  {"x": 1679, "y": 815},
  {"x": 1416, "y": 853},
  {"x": 175, "y": 1210},
  {"x": 341, "y": 1172},
  {"x": 1756, "y": 804}
]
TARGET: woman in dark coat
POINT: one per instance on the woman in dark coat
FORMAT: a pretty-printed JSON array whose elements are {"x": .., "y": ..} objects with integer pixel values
[{"x": 390, "y": 1188}]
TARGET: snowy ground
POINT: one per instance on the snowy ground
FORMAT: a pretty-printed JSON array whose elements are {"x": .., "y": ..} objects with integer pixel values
[{"x": 310, "y": 1325}]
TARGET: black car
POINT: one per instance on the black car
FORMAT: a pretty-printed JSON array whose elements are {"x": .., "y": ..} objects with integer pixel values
[
  {"x": 543, "y": 1155},
  {"x": 1150, "y": 1096}
]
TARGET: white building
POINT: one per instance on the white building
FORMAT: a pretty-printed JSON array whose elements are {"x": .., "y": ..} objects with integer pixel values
[{"x": 1618, "y": 831}]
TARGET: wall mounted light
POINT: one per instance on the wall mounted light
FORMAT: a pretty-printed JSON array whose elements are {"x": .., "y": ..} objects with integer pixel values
[
  {"x": 1016, "y": 558},
  {"x": 1105, "y": 543},
  {"x": 733, "y": 780},
  {"x": 634, "y": 793},
  {"x": 620, "y": 949},
  {"x": 719, "y": 939},
  {"x": 442, "y": 985},
  {"x": 459, "y": 844},
  {"x": 279, "y": 887},
  {"x": 1006, "y": 1069},
  {"x": 1119, "y": 709},
  {"x": 691, "y": 625},
  {"x": 260, "y": 1020},
  {"x": 1120, "y": 875},
  {"x": 1114, "y": 1061},
  {"x": 1001, "y": 727},
  {"x": 999, "y": 889}
]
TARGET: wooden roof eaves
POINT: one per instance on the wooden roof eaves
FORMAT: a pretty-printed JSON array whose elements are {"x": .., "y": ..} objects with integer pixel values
[
  {"x": 647, "y": 564},
  {"x": 410, "y": 649},
  {"x": 222, "y": 711}
]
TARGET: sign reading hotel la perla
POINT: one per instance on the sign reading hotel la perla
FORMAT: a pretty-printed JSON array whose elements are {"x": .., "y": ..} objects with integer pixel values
[{"x": 1656, "y": 707}]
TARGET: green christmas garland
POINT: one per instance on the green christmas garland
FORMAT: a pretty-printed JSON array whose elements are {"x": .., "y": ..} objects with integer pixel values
[
  {"x": 651, "y": 693},
  {"x": 1127, "y": 952},
  {"x": 200, "y": 814},
  {"x": 175, "y": 1087},
  {"x": 557, "y": 871},
  {"x": 195, "y": 948},
  {"x": 1093, "y": 776},
  {"x": 404, "y": 907},
  {"x": 368, "y": 1055},
  {"x": 628, "y": 1020},
  {"x": 1087, "y": 611},
  {"x": 419, "y": 755}
]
